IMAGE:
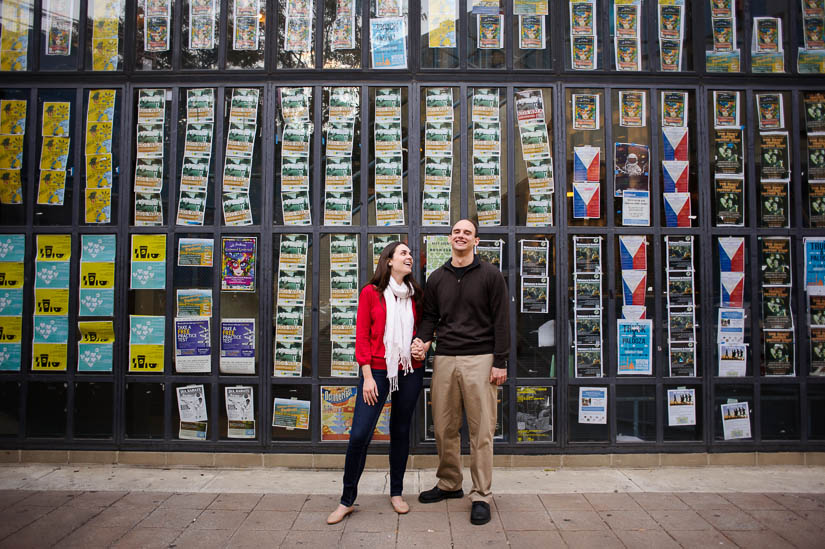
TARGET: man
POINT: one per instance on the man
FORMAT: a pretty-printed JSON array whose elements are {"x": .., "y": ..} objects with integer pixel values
[{"x": 466, "y": 302}]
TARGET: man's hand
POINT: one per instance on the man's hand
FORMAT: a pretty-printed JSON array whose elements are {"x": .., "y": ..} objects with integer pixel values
[
  {"x": 498, "y": 375},
  {"x": 419, "y": 349}
]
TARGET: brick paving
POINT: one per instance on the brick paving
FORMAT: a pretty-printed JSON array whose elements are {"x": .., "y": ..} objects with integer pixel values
[{"x": 643, "y": 519}]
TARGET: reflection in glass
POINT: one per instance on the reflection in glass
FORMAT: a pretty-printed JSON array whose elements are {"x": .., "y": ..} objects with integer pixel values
[
  {"x": 439, "y": 47},
  {"x": 342, "y": 34}
]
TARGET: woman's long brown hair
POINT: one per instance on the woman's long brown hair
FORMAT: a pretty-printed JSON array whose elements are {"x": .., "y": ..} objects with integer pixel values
[{"x": 381, "y": 278}]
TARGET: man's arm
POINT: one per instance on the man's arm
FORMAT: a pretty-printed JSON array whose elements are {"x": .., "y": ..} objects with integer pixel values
[
  {"x": 500, "y": 307},
  {"x": 430, "y": 314}
]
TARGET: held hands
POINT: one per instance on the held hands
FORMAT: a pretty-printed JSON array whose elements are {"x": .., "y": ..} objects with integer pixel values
[
  {"x": 419, "y": 349},
  {"x": 498, "y": 375}
]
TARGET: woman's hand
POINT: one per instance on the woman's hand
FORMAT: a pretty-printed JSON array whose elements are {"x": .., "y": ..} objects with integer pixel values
[{"x": 370, "y": 391}]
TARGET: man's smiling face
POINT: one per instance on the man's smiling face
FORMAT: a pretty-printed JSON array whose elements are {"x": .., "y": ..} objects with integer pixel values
[{"x": 463, "y": 237}]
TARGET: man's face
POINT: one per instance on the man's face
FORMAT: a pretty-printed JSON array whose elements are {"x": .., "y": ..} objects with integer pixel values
[{"x": 463, "y": 236}]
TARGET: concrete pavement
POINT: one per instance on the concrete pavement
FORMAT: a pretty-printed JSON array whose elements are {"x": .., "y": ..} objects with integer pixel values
[{"x": 121, "y": 506}]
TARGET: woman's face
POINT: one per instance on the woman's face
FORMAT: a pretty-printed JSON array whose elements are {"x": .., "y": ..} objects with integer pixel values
[{"x": 401, "y": 261}]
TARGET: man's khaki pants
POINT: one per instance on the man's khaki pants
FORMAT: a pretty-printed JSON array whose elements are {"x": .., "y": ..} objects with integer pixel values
[{"x": 463, "y": 383}]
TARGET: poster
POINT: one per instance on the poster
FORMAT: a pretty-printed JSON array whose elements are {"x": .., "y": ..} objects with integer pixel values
[
  {"x": 192, "y": 412},
  {"x": 635, "y": 346},
  {"x": 148, "y": 266},
  {"x": 586, "y": 112},
  {"x": 238, "y": 263},
  {"x": 195, "y": 252},
  {"x": 193, "y": 347},
  {"x": 534, "y": 414},
  {"x": 388, "y": 43},
  {"x": 733, "y": 359},
  {"x": 736, "y": 420},
  {"x": 202, "y": 17},
  {"x": 240, "y": 412},
  {"x": 633, "y": 109},
  {"x": 146, "y": 343},
  {"x": 593, "y": 405},
  {"x": 337, "y": 407},
  {"x": 290, "y": 413},
  {"x": 681, "y": 407}
]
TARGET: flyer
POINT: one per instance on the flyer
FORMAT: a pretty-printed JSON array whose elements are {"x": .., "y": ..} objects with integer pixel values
[
  {"x": 148, "y": 209},
  {"x": 816, "y": 158},
  {"x": 149, "y": 174},
  {"x": 193, "y": 348},
  {"x": 778, "y": 353},
  {"x": 775, "y": 260},
  {"x": 776, "y": 308},
  {"x": 736, "y": 420},
  {"x": 681, "y": 407},
  {"x": 237, "y": 209},
  {"x": 535, "y": 296},
  {"x": 490, "y": 31},
  {"x": 634, "y": 286},
  {"x": 726, "y": 109},
  {"x": 677, "y": 209},
  {"x": 534, "y": 414},
  {"x": 674, "y": 109},
  {"x": 583, "y": 53},
  {"x": 631, "y": 170},
  {"x": 388, "y": 104},
  {"x": 586, "y": 164},
  {"x": 730, "y": 200},
  {"x": 775, "y": 156},
  {"x": 540, "y": 210},
  {"x": 240, "y": 412},
  {"x": 593, "y": 405},
  {"x": 540, "y": 175},
  {"x": 587, "y": 289},
  {"x": 770, "y": 110},
  {"x": 492, "y": 252},
  {"x": 192, "y": 412},
  {"x": 290, "y": 413},
  {"x": 773, "y": 201},
  {"x": 633, "y": 109},
  {"x": 238, "y": 263},
  {"x": 729, "y": 153},
  {"x": 438, "y": 251},
  {"x": 817, "y": 351},
  {"x": 676, "y": 176},
  {"x": 670, "y": 55},
  {"x": 193, "y": 302},
  {"x": 675, "y": 143},
  {"x": 531, "y": 32},
  {"x": 146, "y": 343},
  {"x": 733, "y": 359},
  {"x": 148, "y": 268},
  {"x": 343, "y": 362},
  {"x": 337, "y": 407},
  {"x": 586, "y": 112},
  {"x": 814, "y": 262},
  {"x": 388, "y": 43},
  {"x": 95, "y": 348},
  {"x": 814, "y": 106},
  {"x": 635, "y": 339},
  {"x": 682, "y": 359}
]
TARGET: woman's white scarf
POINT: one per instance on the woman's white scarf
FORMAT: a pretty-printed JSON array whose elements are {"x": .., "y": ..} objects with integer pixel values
[{"x": 398, "y": 330}]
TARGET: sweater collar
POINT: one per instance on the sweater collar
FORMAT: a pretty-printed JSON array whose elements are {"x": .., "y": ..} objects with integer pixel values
[{"x": 449, "y": 264}]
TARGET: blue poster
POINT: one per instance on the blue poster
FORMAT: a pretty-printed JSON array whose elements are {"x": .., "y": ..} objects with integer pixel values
[
  {"x": 51, "y": 329},
  {"x": 97, "y": 302},
  {"x": 13, "y": 247},
  {"x": 11, "y": 302},
  {"x": 815, "y": 262},
  {"x": 148, "y": 275},
  {"x": 10, "y": 357},
  {"x": 98, "y": 247},
  {"x": 94, "y": 357},
  {"x": 193, "y": 346},
  {"x": 388, "y": 38},
  {"x": 52, "y": 274},
  {"x": 238, "y": 346},
  {"x": 635, "y": 345},
  {"x": 147, "y": 330}
]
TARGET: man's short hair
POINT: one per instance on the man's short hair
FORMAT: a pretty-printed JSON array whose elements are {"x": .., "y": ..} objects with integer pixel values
[{"x": 474, "y": 224}]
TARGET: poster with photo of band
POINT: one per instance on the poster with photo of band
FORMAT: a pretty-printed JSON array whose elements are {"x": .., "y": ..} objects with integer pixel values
[{"x": 587, "y": 321}]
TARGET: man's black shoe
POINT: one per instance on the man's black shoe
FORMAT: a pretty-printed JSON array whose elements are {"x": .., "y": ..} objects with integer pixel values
[
  {"x": 480, "y": 513},
  {"x": 437, "y": 494}
]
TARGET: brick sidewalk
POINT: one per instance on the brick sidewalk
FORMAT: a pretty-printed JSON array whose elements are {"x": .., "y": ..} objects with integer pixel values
[{"x": 201, "y": 521}]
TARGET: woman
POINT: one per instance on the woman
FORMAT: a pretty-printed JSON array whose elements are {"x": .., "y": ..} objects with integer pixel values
[{"x": 388, "y": 313}]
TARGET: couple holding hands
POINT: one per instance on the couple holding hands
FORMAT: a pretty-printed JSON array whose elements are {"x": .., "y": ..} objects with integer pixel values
[{"x": 466, "y": 303}]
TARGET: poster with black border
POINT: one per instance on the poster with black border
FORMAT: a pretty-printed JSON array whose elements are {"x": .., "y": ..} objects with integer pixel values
[
  {"x": 587, "y": 254},
  {"x": 778, "y": 353},
  {"x": 728, "y": 152},
  {"x": 773, "y": 204},
  {"x": 729, "y": 195},
  {"x": 817, "y": 348},
  {"x": 814, "y": 111},
  {"x": 534, "y": 257},
  {"x": 491, "y": 251},
  {"x": 679, "y": 253},
  {"x": 775, "y": 260},
  {"x": 587, "y": 291},
  {"x": 770, "y": 110},
  {"x": 776, "y": 162},
  {"x": 535, "y": 295},
  {"x": 682, "y": 359},
  {"x": 816, "y": 157},
  {"x": 681, "y": 325},
  {"x": 776, "y": 308},
  {"x": 681, "y": 407}
]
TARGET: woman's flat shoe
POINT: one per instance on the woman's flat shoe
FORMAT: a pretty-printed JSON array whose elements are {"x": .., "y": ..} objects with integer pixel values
[
  {"x": 401, "y": 508},
  {"x": 339, "y": 514}
]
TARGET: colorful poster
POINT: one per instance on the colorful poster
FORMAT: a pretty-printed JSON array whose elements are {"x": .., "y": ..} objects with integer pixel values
[
  {"x": 95, "y": 348},
  {"x": 290, "y": 413},
  {"x": 337, "y": 407},
  {"x": 635, "y": 347},
  {"x": 593, "y": 405},
  {"x": 193, "y": 346},
  {"x": 238, "y": 263},
  {"x": 240, "y": 412},
  {"x": 388, "y": 43},
  {"x": 148, "y": 266}
]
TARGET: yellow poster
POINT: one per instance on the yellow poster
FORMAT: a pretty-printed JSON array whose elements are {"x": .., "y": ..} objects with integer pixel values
[
  {"x": 11, "y": 188},
  {"x": 49, "y": 357},
  {"x": 51, "y": 187},
  {"x": 98, "y": 205},
  {"x": 98, "y": 137},
  {"x": 145, "y": 358},
  {"x": 11, "y": 61},
  {"x": 11, "y": 152},
  {"x": 104, "y": 54},
  {"x": 97, "y": 275},
  {"x": 54, "y": 153},
  {"x": 98, "y": 171},
  {"x": 11, "y": 329},
  {"x": 101, "y": 104},
  {"x": 13, "y": 117},
  {"x": 51, "y": 302},
  {"x": 54, "y": 247},
  {"x": 148, "y": 247},
  {"x": 56, "y": 118},
  {"x": 105, "y": 26},
  {"x": 96, "y": 332},
  {"x": 11, "y": 275}
]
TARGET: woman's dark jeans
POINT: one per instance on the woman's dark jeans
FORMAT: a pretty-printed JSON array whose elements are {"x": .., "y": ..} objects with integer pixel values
[{"x": 363, "y": 424}]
